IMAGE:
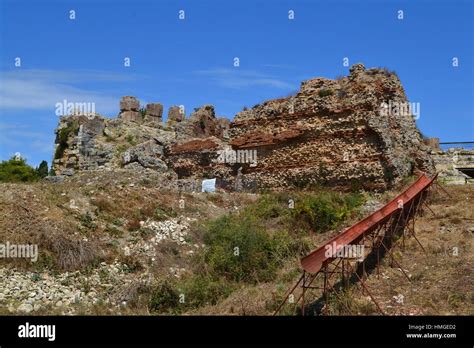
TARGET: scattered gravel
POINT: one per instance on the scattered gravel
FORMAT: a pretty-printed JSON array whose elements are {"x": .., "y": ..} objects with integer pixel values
[
  {"x": 26, "y": 292},
  {"x": 175, "y": 229}
]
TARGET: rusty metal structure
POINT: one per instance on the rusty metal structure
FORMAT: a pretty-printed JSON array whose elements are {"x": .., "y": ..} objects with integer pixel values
[{"x": 378, "y": 233}]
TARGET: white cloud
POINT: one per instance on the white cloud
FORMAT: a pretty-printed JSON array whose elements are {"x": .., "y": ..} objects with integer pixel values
[
  {"x": 238, "y": 78},
  {"x": 42, "y": 89}
]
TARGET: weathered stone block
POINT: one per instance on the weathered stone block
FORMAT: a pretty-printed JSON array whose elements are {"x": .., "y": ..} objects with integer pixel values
[
  {"x": 129, "y": 103},
  {"x": 175, "y": 114},
  {"x": 148, "y": 155},
  {"x": 133, "y": 116},
  {"x": 154, "y": 110}
]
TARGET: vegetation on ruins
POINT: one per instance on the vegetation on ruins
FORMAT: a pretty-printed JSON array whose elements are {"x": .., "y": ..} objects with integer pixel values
[
  {"x": 63, "y": 136},
  {"x": 244, "y": 247},
  {"x": 142, "y": 112},
  {"x": 324, "y": 92}
]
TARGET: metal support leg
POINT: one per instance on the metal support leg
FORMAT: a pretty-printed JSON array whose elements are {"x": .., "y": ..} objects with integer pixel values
[{"x": 304, "y": 289}]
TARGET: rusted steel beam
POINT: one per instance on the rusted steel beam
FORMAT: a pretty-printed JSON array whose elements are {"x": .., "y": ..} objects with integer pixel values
[
  {"x": 393, "y": 259},
  {"x": 414, "y": 236},
  {"x": 367, "y": 289},
  {"x": 288, "y": 294},
  {"x": 313, "y": 262},
  {"x": 380, "y": 226}
]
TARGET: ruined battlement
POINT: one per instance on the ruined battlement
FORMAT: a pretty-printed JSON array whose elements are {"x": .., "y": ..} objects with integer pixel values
[{"x": 352, "y": 131}]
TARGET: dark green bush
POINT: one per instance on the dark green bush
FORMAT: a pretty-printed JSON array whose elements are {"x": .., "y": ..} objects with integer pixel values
[
  {"x": 161, "y": 214},
  {"x": 176, "y": 295},
  {"x": 87, "y": 221},
  {"x": 268, "y": 206},
  {"x": 42, "y": 169},
  {"x": 63, "y": 137},
  {"x": 17, "y": 170},
  {"x": 246, "y": 247},
  {"x": 324, "y": 92},
  {"x": 164, "y": 298},
  {"x": 326, "y": 210},
  {"x": 203, "y": 290},
  {"x": 240, "y": 249}
]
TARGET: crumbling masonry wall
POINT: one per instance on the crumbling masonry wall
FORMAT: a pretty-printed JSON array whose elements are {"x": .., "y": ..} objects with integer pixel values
[{"x": 332, "y": 132}]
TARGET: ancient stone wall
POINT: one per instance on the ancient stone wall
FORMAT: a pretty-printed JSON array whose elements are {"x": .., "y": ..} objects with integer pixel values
[
  {"x": 447, "y": 162},
  {"x": 333, "y": 132},
  {"x": 136, "y": 139},
  {"x": 346, "y": 133}
]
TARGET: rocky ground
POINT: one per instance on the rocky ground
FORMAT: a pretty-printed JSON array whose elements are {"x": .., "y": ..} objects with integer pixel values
[
  {"x": 442, "y": 278},
  {"x": 24, "y": 292},
  {"x": 103, "y": 240},
  {"x": 99, "y": 238}
]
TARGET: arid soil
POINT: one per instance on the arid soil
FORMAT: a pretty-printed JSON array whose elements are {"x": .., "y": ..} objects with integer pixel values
[{"x": 103, "y": 240}]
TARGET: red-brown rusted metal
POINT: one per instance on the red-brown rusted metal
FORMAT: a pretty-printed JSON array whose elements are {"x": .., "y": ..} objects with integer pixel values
[
  {"x": 313, "y": 262},
  {"x": 380, "y": 226}
]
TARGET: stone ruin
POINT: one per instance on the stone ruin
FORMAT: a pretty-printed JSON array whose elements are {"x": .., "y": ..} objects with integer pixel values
[
  {"x": 342, "y": 133},
  {"x": 137, "y": 139},
  {"x": 452, "y": 163}
]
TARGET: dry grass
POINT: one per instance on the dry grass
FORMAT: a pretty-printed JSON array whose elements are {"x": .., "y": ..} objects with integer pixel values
[
  {"x": 72, "y": 254},
  {"x": 441, "y": 282},
  {"x": 87, "y": 218}
]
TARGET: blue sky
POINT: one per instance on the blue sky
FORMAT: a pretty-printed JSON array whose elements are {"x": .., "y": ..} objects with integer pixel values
[{"x": 190, "y": 61}]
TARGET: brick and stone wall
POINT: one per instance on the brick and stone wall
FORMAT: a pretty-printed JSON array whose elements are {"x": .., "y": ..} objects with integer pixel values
[{"x": 342, "y": 133}]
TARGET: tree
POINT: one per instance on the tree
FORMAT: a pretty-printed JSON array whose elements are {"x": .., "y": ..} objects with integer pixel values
[
  {"x": 17, "y": 170},
  {"x": 42, "y": 169}
]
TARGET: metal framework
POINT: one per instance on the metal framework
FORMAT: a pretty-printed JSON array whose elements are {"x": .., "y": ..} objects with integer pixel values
[{"x": 377, "y": 233}]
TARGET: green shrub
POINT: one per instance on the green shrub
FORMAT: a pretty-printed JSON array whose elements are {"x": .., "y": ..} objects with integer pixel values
[
  {"x": 239, "y": 248},
  {"x": 118, "y": 222},
  {"x": 203, "y": 290},
  {"x": 63, "y": 136},
  {"x": 268, "y": 206},
  {"x": 326, "y": 210},
  {"x": 17, "y": 170},
  {"x": 131, "y": 139},
  {"x": 162, "y": 214},
  {"x": 164, "y": 298},
  {"x": 87, "y": 221},
  {"x": 177, "y": 295},
  {"x": 324, "y": 92},
  {"x": 35, "y": 277},
  {"x": 42, "y": 169},
  {"x": 113, "y": 230}
]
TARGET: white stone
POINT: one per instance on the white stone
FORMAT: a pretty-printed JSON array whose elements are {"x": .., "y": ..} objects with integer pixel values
[{"x": 25, "y": 308}]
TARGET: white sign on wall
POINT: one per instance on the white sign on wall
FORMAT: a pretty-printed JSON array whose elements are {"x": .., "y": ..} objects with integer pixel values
[{"x": 209, "y": 185}]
